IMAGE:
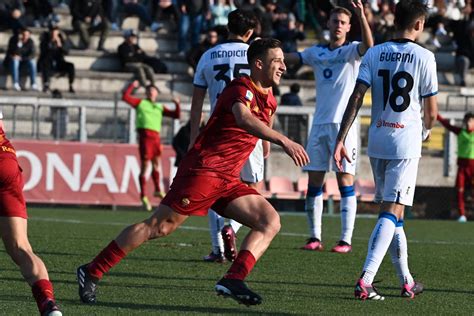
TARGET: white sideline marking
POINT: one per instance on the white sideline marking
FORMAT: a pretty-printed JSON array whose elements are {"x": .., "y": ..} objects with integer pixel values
[{"x": 77, "y": 221}]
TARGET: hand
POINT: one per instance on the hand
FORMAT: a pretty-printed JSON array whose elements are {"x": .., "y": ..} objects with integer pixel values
[
  {"x": 425, "y": 134},
  {"x": 16, "y": 14},
  {"x": 135, "y": 84},
  {"x": 296, "y": 152},
  {"x": 358, "y": 7},
  {"x": 87, "y": 19},
  {"x": 176, "y": 100},
  {"x": 340, "y": 153}
]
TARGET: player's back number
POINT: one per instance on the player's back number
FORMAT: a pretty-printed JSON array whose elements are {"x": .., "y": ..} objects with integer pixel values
[{"x": 401, "y": 83}]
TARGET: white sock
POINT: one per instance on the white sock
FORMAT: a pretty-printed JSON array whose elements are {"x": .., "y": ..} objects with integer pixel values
[
  {"x": 235, "y": 225},
  {"x": 348, "y": 212},
  {"x": 314, "y": 210},
  {"x": 399, "y": 253},
  {"x": 379, "y": 242},
  {"x": 216, "y": 222}
]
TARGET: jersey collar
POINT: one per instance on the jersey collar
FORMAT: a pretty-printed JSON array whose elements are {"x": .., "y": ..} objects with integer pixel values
[
  {"x": 402, "y": 40},
  {"x": 233, "y": 41}
]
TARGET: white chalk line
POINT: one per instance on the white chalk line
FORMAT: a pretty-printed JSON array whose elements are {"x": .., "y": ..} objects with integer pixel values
[{"x": 288, "y": 234}]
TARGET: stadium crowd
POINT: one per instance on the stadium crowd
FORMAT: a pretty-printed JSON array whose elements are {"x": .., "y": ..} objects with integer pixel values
[{"x": 451, "y": 23}]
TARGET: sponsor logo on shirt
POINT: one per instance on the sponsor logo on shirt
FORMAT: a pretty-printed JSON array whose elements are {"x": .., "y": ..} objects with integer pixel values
[
  {"x": 384, "y": 123},
  {"x": 249, "y": 95},
  {"x": 8, "y": 149}
]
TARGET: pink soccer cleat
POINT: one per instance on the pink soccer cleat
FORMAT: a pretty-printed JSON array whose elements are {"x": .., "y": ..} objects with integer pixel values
[
  {"x": 342, "y": 247},
  {"x": 230, "y": 247},
  {"x": 214, "y": 257},
  {"x": 364, "y": 292},
  {"x": 411, "y": 290},
  {"x": 313, "y": 244}
]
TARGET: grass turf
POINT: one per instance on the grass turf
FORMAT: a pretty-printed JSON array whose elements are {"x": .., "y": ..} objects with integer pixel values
[{"x": 168, "y": 276}]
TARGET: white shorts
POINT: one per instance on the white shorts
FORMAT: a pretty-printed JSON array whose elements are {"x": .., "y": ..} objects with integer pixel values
[
  {"x": 252, "y": 171},
  {"x": 395, "y": 179},
  {"x": 320, "y": 148}
]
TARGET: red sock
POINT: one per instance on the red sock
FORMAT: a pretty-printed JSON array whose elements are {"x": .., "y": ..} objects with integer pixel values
[
  {"x": 241, "y": 266},
  {"x": 43, "y": 293},
  {"x": 142, "y": 180},
  {"x": 156, "y": 180},
  {"x": 462, "y": 209},
  {"x": 105, "y": 260}
]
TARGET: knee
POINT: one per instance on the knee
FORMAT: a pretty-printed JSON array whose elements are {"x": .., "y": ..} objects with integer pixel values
[
  {"x": 271, "y": 225},
  {"x": 160, "y": 229}
]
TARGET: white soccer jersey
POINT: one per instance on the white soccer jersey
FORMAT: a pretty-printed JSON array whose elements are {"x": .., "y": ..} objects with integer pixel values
[
  {"x": 335, "y": 72},
  {"x": 219, "y": 65},
  {"x": 400, "y": 73}
]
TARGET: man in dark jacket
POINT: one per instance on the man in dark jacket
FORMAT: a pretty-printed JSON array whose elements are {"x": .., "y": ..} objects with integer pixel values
[
  {"x": 11, "y": 13},
  {"x": 464, "y": 37},
  {"x": 21, "y": 52},
  {"x": 134, "y": 59},
  {"x": 52, "y": 52},
  {"x": 88, "y": 18}
]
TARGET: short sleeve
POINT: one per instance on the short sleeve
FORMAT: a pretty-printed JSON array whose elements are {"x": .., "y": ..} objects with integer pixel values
[
  {"x": 305, "y": 56},
  {"x": 353, "y": 51},
  {"x": 429, "y": 78},
  {"x": 199, "y": 77},
  {"x": 365, "y": 73}
]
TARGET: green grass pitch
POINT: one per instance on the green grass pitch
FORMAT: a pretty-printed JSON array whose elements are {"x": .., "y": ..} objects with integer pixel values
[{"x": 167, "y": 276}]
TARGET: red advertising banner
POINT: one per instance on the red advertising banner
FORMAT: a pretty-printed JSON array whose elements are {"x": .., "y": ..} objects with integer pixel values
[{"x": 85, "y": 173}]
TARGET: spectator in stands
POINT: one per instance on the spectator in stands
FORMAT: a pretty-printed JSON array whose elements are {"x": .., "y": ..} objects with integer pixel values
[
  {"x": 269, "y": 18},
  {"x": 190, "y": 23},
  {"x": 21, "y": 52},
  {"x": 465, "y": 174},
  {"x": 148, "y": 125},
  {"x": 464, "y": 37},
  {"x": 195, "y": 53},
  {"x": 134, "y": 7},
  {"x": 42, "y": 12},
  {"x": 384, "y": 23},
  {"x": 87, "y": 18},
  {"x": 134, "y": 59},
  {"x": 292, "y": 97},
  {"x": 289, "y": 33},
  {"x": 219, "y": 11},
  {"x": 161, "y": 8},
  {"x": 52, "y": 58},
  {"x": 11, "y": 13}
]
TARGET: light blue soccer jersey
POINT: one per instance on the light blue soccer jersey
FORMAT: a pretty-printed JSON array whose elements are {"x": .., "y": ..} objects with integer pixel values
[
  {"x": 335, "y": 72},
  {"x": 401, "y": 73}
]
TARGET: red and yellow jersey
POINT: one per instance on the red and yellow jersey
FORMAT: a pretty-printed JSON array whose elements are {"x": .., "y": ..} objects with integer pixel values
[
  {"x": 222, "y": 147},
  {"x": 6, "y": 148}
]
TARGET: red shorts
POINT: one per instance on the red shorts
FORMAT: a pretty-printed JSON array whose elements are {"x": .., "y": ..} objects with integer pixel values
[
  {"x": 149, "y": 144},
  {"x": 465, "y": 175},
  {"x": 195, "y": 194},
  {"x": 12, "y": 202}
]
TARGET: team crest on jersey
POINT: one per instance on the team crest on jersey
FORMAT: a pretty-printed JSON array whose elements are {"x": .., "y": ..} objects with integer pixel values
[
  {"x": 249, "y": 95},
  {"x": 185, "y": 202}
]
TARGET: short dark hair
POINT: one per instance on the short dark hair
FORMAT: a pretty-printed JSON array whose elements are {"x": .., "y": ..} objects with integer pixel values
[
  {"x": 468, "y": 116},
  {"x": 241, "y": 21},
  {"x": 408, "y": 11},
  {"x": 341, "y": 10},
  {"x": 260, "y": 47},
  {"x": 295, "y": 87},
  {"x": 148, "y": 87}
]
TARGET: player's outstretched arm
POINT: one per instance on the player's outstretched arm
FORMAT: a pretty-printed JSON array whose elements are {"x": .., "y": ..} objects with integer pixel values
[
  {"x": 127, "y": 94},
  {"x": 176, "y": 113},
  {"x": 254, "y": 126},
  {"x": 367, "y": 39},
  {"x": 455, "y": 129},
  {"x": 292, "y": 59},
  {"x": 196, "y": 112},
  {"x": 353, "y": 107}
]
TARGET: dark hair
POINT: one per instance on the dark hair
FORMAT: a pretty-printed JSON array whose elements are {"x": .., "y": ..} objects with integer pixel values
[
  {"x": 241, "y": 21},
  {"x": 341, "y": 10},
  {"x": 260, "y": 47},
  {"x": 148, "y": 87},
  {"x": 295, "y": 88},
  {"x": 407, "y": 12},
  {"x": 468, "y": 116}
]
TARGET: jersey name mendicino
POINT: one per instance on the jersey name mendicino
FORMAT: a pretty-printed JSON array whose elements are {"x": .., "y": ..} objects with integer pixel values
[
  {"x": 400, "y": 73},
  {"x": 335, "y": 72},
  {"x": 219, "y": 65}
]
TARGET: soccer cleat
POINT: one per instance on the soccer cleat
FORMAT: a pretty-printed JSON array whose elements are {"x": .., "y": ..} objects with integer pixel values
[
  {"x": 462, "y": 219},
  {"x": 159, "y": 194},
  {"x": 230, "y": 247},
  {"x": 342, "y": 247},
  {"x": 51, "y": 309},
  {"x": 213, "y": 257},
  {"x": 411, "y": 290},
  {"x": 146, "y": 204},
  {"x": 364, "y": 292},
  {"x": 87, "y": 285},
  {"x": 313, "y": 244},
  {"x": 237, "y": 290}
]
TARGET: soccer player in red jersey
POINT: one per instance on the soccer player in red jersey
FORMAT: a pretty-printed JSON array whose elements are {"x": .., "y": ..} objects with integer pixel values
[
  {"x": 13, "y": 229},
  {"x": 208, "y": 176},
  {"x": 148, "y": 124}
]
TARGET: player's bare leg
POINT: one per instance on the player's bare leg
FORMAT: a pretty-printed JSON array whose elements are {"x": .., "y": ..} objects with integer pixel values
[
  {"x": 314, "y": 209},
  {"x": 155, "y": 175},
  {"x": 348, "y": 212},
  {"x": 145, "y": 170},
  {"x": 161, "y": 223},
  {"x": 255, "y": 212},
  {"x": 15, "y": 238}
]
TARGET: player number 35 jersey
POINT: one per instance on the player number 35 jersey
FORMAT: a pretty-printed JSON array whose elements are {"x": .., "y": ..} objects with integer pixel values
[{"x": 401, "y": 73}]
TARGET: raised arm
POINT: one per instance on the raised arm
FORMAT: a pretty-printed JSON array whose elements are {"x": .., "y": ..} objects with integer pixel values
[
  {"x": 196, "y": 112},
  {"x": 353, "y": 107},
  {"x": 367, "y": 39},
  {"x": 254, "y": 126},
  {"x": 293, "y": 58},
  {"x": 176, "y": 113},
  {"x": 127, "y": 94},
  {"x": 455, "y": 129}
]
